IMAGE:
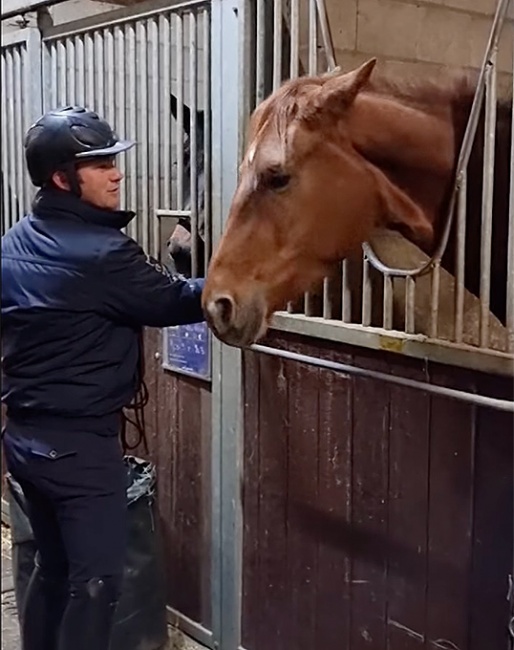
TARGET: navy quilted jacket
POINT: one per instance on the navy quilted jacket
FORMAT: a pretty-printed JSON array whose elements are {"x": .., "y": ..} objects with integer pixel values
[{"x": 76, "y": 292}]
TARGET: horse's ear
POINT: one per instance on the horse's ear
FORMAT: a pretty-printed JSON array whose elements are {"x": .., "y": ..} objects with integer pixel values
[
  {"x": 402, "y": 213},
  {"x": 341, "y": 89}
]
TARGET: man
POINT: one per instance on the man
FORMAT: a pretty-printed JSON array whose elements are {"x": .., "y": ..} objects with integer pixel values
[{"x": 76, "y": 292}]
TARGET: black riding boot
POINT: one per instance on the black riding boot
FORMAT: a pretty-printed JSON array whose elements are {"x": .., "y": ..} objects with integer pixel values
[
  {"x": 88, "y": 619},
  {"x": 45, "y": 602}
]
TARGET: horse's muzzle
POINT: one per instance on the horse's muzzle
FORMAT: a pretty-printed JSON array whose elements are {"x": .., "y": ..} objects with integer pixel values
[{"x": 236, "y": 323}]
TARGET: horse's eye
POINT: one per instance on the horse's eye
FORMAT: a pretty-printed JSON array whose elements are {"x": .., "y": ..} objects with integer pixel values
[{"x": 278, "y": 181}]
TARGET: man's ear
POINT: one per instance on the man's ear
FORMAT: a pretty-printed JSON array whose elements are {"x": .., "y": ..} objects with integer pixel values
[{"x": 60, "y": 180}]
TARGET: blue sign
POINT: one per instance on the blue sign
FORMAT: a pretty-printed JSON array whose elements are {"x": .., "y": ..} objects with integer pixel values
[{"x": 187, "y": 349}]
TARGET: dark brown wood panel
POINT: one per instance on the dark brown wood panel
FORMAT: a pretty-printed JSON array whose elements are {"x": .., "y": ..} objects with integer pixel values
[
  {"x": 396, "y": 532},
  {"x": 178, "y": 424}
]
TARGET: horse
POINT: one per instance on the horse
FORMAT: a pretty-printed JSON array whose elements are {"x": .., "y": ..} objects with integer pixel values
[
  {"x": 179, "y": 243},
  {"x": 332, "y": 160}
]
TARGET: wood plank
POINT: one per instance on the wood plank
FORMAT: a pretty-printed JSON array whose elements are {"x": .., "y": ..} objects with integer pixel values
[
  {"x": 452, "y": 447},
  {"x": 302, "y": 547},
  {"x": 333, "y": 603},
  {"x": 251, "y": 559},
  {"x": 369, "y": 516},
  {"x": 493, "y": 523},
  {"x": 273, "y": 488},
  {"x": 407, "y": 511}
]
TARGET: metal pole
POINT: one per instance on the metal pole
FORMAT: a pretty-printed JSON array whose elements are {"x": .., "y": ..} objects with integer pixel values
[{"x": 442, "y": 391}]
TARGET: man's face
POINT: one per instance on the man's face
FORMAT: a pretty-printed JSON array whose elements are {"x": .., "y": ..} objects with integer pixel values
[{"x": 99, "y": 181}]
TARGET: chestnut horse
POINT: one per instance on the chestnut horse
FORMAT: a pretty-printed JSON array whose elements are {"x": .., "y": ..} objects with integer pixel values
[{"x": 330, "y": 160}]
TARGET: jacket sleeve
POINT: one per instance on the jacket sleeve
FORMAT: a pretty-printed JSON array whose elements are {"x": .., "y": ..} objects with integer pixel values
[{"x": 136, "y": 289}]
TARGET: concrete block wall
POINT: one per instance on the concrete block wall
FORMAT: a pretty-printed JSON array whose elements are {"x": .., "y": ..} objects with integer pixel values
[{"x": 417, "y": 36}]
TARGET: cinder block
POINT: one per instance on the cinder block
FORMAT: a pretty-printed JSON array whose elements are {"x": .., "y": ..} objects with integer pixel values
[
  {"x": 486, "y": 7},
  {"x": 390, "y": 28}
]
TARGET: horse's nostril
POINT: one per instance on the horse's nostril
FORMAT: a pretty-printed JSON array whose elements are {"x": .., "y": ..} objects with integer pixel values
[{"x": 225, "y": 308}]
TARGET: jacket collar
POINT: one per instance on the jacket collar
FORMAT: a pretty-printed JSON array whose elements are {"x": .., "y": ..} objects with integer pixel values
[{"x": 55, "y": 203}]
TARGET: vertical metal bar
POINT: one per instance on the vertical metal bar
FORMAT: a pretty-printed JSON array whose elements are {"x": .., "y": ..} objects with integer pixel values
[
  {"x": 227, "y": 429},
  {"x": 62, "y": 97},
  {"x": 4, "y": 148},
  {"x": 313, "y": 38},
  {"x": 131, "y": 98},
  {"x": 142, "y": 131},
  {"x": 155, "y": 118},
  {"x": 388, "y": 302},
  {"x": 410, "y": 304},
  {"x": 33, "y": 90},
  {"x": 81, "y": 70},
  {"x": 11, "y": 136},
  {"x": 434, "y": 301},
  {"x": 461, "y": 259},
  {"x": 164, "y": 47},
  {"x": 277, "y": 44},
  {"x": 18, "y": 132},
  {"x": 487, "y": 200},
  {"x": 193, "y": 166},
  {"x": 328, "y": 307},
  {"x": 347, "y": 295},
  {"x": 366, "y": 293},
  {"x": 180, "y": 110},
  {"x": 326, "y": 34},
  {"x": 99, "y": 69},
  {"x": 71, "y": 69},
  {"x": 295, "y": 39},
  {"x": 260, "y": 52},
  {"x": 121, "y": 74},
  {"x": 510, "y": 244},
  {"x": 89, "y": 61},
  {"x": 207, "y": 136},
  {"x": 111, "y": 75},
  {"x": 54, "y": 75}
]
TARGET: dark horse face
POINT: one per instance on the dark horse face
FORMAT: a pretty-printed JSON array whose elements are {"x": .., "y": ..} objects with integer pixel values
[{"x": 181, "y": 239}]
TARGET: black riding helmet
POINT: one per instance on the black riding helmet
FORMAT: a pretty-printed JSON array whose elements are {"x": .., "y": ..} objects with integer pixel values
[{"x": 63, "y": 137}]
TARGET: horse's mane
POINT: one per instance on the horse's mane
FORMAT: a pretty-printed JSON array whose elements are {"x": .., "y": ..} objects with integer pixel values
[{"x": 455, "y": 88}]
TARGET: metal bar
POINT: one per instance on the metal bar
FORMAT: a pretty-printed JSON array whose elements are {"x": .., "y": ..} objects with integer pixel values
[
  {"x": 119, "y": 58},
  {"x": 111, "y": 73},
  {"x": 89, "y": 62},
  {"x": 434, "y": 301},
  {"x": 328, "y": 307},
  {"x": 131, "y": 99},
  {"x": 18, "y": 129},
  {"x": 71, "y": 81},
  {"x": 179, "y": 34},
  {"x": 487, "y": 200},
  {"x": 277, "y": 44},
  {"x": 4, "y": 149},
  {"x": 227, "y": 428},
  {"x": 156, "y": 124},
  {"x": 207, "y": 137},
  {"x": 164, "y": 46},
  {"x": 326, "y": 34},
  {"x": 295, "y": 39},
  {"x": 313, "y": 38},
  {"x": 62, "y": 98},
  {"x": 142, "y": 133},
  {"x": 81, "y": 76},
  {"x": 260, "y": 52},
  {"x": 366, "y": 293},
  {"x": 190, "y": 628},
  {"x": 442, "y": 391},
  {"x": 388, "y": 302},
  {"x": 193, "y": 162},
  {"x": 347, "y": 293},
  {"x": 11, "y": 135},
  {"x": 461, "y": 259},
  {"x": 99, "y": 70},
  {"x": 410, "y": 305}
]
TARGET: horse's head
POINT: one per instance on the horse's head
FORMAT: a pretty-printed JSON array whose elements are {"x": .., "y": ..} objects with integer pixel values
[
  {"x": 307, "y": 198},
  {"x": 180, "y": 241}
]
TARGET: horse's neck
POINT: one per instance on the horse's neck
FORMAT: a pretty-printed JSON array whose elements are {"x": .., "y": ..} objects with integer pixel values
[
  {"x": 386, "y": 130},
  {"x": 416, "y": 150}
]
